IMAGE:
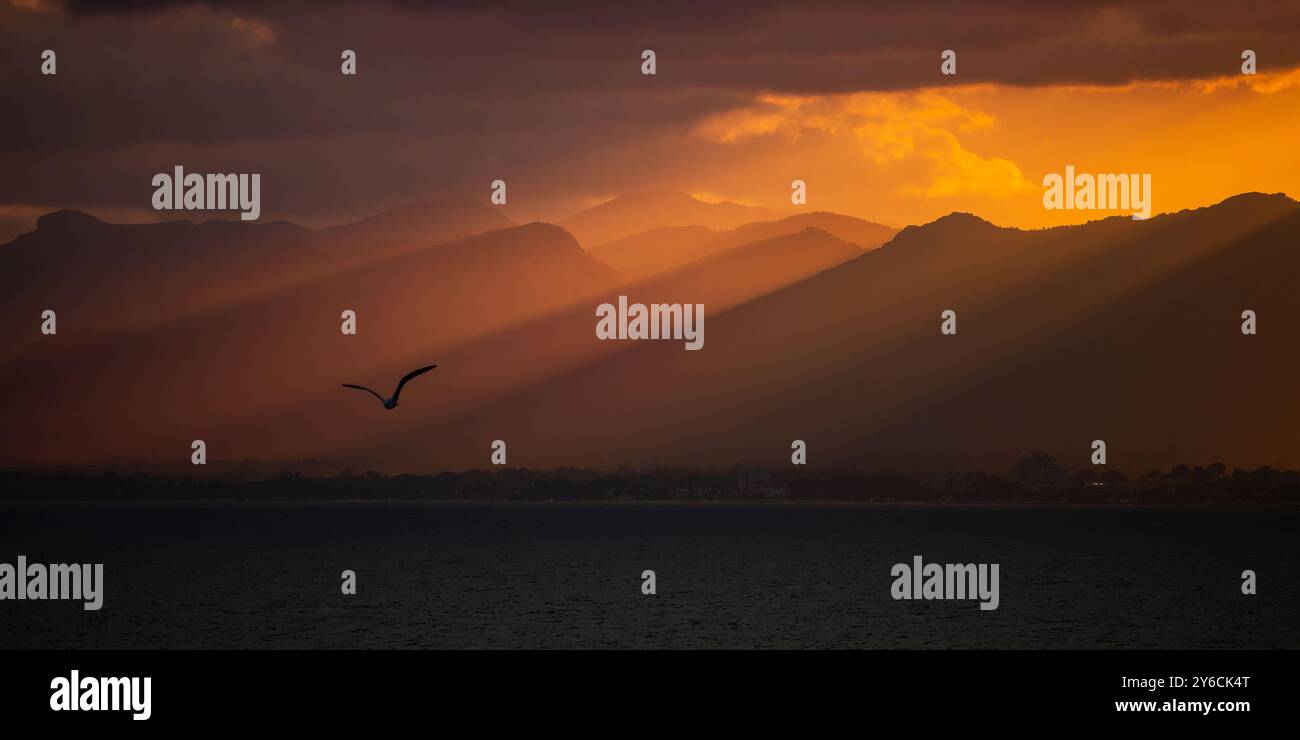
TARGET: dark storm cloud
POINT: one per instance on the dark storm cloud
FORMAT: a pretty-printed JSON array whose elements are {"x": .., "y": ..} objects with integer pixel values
[
  {"x": 789, "y": 46},
  {"x": 449, "y": 91}
]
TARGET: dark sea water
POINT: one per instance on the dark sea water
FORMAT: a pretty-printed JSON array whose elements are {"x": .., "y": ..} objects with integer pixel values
[{"x": 557, "y": 575}]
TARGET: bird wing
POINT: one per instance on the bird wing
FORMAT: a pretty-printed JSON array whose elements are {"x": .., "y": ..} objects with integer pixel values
[
  {"x": 408, "y": 376},
  {"x": 367, "y": 390}
]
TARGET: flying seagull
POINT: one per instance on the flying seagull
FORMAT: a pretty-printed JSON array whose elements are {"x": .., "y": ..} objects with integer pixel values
[{"x": 391, "y": 403}]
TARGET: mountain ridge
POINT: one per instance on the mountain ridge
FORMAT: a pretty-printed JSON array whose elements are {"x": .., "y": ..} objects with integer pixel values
[{"x": 637, "y": 212}]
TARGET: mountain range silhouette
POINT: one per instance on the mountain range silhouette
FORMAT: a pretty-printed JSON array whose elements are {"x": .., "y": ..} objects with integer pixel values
[{"x": 1117, "y": 330}]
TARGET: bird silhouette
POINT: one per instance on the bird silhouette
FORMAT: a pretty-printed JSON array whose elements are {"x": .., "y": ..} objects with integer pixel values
[{"x": 391, "y": 403}]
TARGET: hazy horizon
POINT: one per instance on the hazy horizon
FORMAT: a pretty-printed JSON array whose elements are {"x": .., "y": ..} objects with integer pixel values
[{"x": 558, "y": 219}]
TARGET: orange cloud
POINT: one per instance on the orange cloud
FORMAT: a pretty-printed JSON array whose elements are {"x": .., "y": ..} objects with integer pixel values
[
  {"x": 915, "y": 129},
  {"x": 1264, "y": 83}
]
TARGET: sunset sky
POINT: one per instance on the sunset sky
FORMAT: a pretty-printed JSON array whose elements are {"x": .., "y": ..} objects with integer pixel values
[{"x": 451, "y": 96}]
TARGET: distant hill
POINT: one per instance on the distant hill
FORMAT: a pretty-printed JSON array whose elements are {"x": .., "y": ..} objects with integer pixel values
[
  {"x": 865, "y": 234},
  {"x": 659, "y": 250},
  {"x": 633, "y": 214},
  {"x": 99, "y": 276},
  {"x": 102, "y": 277},
  {"x": 415, "y": 225}
]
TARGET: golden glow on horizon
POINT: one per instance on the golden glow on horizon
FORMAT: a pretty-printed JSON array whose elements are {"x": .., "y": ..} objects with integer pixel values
[{"x": 912, "y": 156}]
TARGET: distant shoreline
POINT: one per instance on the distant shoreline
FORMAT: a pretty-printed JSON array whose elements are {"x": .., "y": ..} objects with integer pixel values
[
  {"x": 583, "y": 503},
  {"x": 1185, "y": 487}
]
